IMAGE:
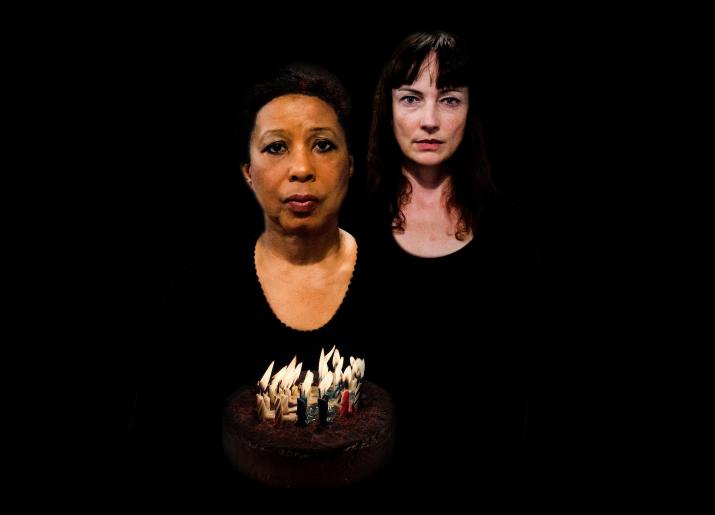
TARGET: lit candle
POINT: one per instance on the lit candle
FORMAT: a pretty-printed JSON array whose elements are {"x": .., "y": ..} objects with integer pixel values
[
  {"x": 327, "y": 356},
  {"x": 322, "y": 400},
  {"x": 355, "y": 382},
  {"x": 263, "y": 383},
  {"x": 279, "y": 413},
  {"x": 337, "y": 378},
  {"x": 278, "y": 377},
  {"x": 266, "y": 403},
  {"x": 356, "y": 400},
  {"x": 291, "y": 401},
  {"x": 287, "y": 379},
  {"x": 323, "y": 411},
  {"x": 302, "y": 411},
  {"x": 348, "y": 377},
  {"x": 273, "y": 389},
  {"x": 345, "y": 403},
  {"x": 291, "y": 368},
  {"x": 259, "y": 406},
  {"x": 296, "y": 373},
  {"x": 303, "y": 399},
  {"x": 325, "y": 383},
  {"x": 323, "y": 363},
  {"x": 359, "y": 368},
  {"x": 336, "y": 359}
]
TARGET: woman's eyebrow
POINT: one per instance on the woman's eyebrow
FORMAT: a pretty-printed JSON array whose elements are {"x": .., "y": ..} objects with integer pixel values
[
  {"x": 321, "y": 129},
  {"x": 410, "y": 90},
  {"x": 460, "y": 89},
  {"x": 273, "y": 132}
]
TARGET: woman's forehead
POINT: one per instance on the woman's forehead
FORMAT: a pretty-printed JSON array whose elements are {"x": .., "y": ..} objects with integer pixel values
[{"x": 297, "y": 111}]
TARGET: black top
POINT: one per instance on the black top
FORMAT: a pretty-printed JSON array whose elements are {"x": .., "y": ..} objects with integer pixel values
[
  {"x": 447, "y": 337},
  {"x": 457, "y": 331},
  {"x": 218, "y": 334}
]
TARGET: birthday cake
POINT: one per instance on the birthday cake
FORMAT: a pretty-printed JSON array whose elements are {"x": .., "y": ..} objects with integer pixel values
[{"x": 317, "y": 436}]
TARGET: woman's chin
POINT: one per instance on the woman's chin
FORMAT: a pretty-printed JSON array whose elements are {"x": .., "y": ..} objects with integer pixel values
[
  {"x": 305, "y": 225},
  {"x": 429, "y": 160}
]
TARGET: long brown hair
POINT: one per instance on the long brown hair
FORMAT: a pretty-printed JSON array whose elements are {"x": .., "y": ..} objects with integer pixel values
[{"x": 468, "y": 167}]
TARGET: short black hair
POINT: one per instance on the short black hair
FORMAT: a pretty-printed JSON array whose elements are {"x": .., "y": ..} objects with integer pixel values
[{"x": 292, "y": 79}]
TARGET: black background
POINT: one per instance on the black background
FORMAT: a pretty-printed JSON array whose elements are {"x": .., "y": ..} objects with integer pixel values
[{"x": 166, "y": 186}]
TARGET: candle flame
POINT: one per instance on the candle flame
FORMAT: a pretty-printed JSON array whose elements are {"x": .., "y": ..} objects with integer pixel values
[
  {"x": 348, "y": 375},
  {"x": 322, "y": 371},
  {"x": 266, "y": 377},
  {"x": 307, "y": 383},
  {"x": 296, "y": 374},
  {"x": 336, "y": 358},
  {"x": 288, "y": 376},
  {"x": 322, "y": 367},
  {"x": 327, "y": 356},
  {"x": 278, "y": 377},
  {"x": 359, "y": 368},
  {"x": 281, "y": 389},
  {"x": 325, "y": 383}
]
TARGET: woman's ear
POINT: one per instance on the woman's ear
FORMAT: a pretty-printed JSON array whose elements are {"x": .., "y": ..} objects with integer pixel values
[{"x": 246, "y": 170}]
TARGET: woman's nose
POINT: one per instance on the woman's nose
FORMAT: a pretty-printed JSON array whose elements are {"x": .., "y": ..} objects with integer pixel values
[
  {"x": 301, "y": 167},
  {"x": 429, "y": 121}
]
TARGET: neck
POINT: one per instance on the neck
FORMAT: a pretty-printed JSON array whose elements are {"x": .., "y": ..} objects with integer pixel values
[
  {"x": 429, "y": 183},
  {"x": 301, "y": 249}
]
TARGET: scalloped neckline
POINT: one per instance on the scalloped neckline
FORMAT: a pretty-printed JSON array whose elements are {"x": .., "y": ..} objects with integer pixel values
[{"x": 276, "y": 317}]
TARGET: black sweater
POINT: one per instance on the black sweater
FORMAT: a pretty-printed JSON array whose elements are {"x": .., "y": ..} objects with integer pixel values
[
  {"x": 448, "y": 337},
  {"x": 456, "y": 332}
]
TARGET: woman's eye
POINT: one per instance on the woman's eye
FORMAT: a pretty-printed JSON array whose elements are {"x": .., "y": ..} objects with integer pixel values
[
  {"x": 451, "y": 101},
  {"x": 277, "y": 147},
  {"x": 409, "y": 99},
  {"x": 324, "y": 145}
]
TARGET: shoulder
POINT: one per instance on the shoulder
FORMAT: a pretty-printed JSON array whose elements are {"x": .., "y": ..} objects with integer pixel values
[
  {"x": 509, "y": 231},
  {"x": 505, "y": 220},
  {"x": 501, "y": 212},
  {"x": 207, "y": 275}
]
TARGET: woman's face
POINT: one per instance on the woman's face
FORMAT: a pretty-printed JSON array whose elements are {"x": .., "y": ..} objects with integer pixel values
[
  {"x": 300, "y": 166},
  {"x": 429, "y": 123}
]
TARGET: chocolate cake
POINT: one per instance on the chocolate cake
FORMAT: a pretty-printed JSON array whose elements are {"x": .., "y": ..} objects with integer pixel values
[{"x": 348, "y": 449}]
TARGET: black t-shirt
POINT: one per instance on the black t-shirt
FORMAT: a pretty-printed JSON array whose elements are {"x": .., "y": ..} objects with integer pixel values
[
  {"x": 447, "y": 337},
  {"x": 456, "y": 335},
  {"x": 218, "y": 333}
]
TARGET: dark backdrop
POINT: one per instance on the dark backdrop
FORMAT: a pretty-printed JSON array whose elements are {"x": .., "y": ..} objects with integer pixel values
[{"x": 170, "y": 186}]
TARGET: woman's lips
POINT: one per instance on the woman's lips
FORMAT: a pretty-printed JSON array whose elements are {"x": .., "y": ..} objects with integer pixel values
[
  {"x": 428, "y": 144},
  {"x": 302, "y": 203}
]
